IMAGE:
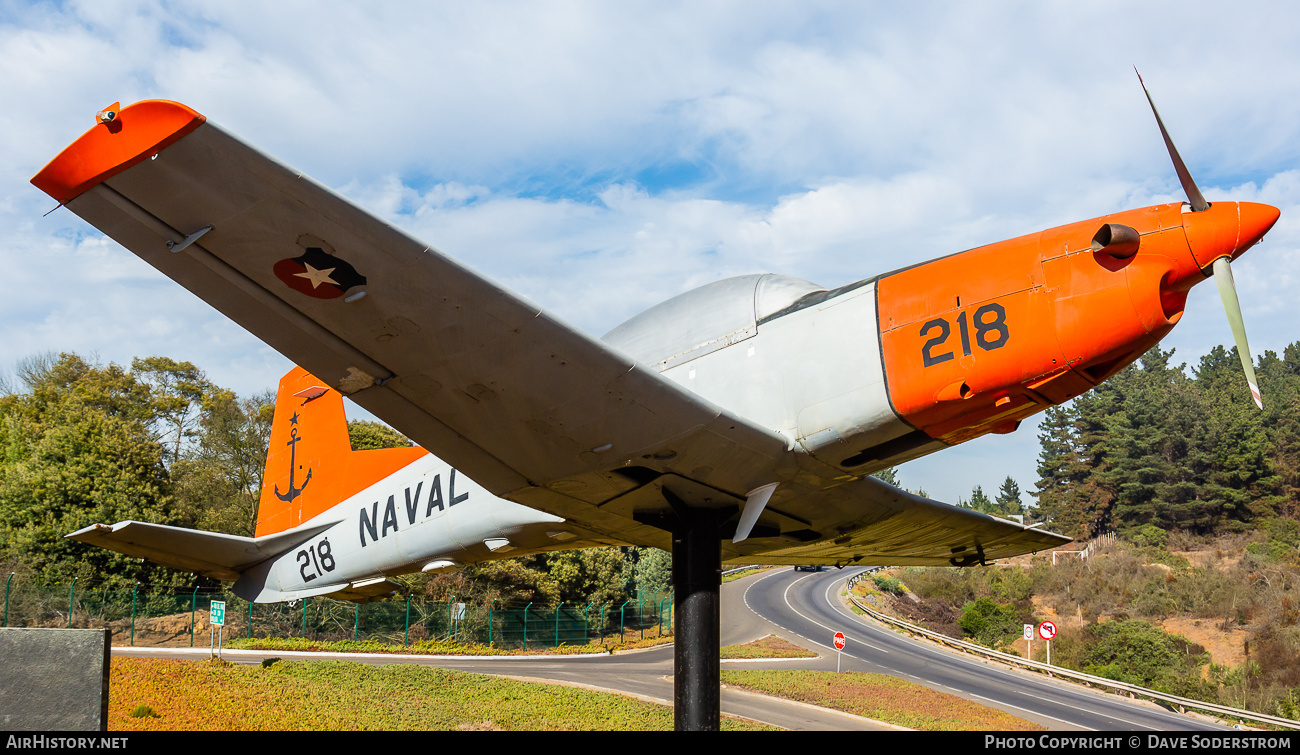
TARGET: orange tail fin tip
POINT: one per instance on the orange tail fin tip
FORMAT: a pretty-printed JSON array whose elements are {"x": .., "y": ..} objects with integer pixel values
[{"x": 311, "y": 466}]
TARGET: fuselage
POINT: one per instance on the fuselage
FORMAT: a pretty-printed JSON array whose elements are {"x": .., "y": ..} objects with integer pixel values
[
  {"x": 856, "y": 378},
  {"x": 894, "y": 367},
  {"x": 424, "y": 517}
]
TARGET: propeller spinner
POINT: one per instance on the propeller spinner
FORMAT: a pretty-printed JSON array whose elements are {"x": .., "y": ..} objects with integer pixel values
[{"x": 1217, "y": 234}]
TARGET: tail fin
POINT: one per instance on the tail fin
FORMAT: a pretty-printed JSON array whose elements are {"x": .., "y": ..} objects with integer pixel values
[{"x": 310, "y": 466}]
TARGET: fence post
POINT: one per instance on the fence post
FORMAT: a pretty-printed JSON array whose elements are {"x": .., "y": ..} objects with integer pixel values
[
  {"x": 603, "y": 624},
  {"x": 671, "y": 603},
  {"x": 586, "y": 625},
  {"x": 135, "y": 591},
  {"x": 7, "y": 581},
  {"x": 250, "y": 619},
  {"x": 530, "y": 605},
  {"x": 640, "y": 615},
  {"x": 304, "y": 618},
  {"x": 622, "y": 621},
  {"x": 557, "y": 624},
  {"x": 356, "y": 622},
  {"x": 659, "y": 612},
  {"x": 406, "y": 638},
  {"x": 491, "y": 607},
  {"x": 71, "y": 590},
  {"x": 451, "y": 634},
  {"x": 194, "y": 599}
]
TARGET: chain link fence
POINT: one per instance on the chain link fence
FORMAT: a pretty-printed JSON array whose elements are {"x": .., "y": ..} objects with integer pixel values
[{"x": 142, "y": 617}]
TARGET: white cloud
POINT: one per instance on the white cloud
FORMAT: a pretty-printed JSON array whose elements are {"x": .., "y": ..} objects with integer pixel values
[{"x": 828, "y": 141}]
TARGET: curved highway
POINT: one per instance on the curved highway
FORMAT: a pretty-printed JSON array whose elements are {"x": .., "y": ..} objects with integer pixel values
[{"x": 804, "y": 606}]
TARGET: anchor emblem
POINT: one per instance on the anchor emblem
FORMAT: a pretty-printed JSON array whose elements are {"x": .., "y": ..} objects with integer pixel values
[{"x": 292, "y": 492}]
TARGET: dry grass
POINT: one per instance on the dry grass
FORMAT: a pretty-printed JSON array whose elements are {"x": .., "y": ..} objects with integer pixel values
[
  {"x": 770, "y": 646},
  {"x": 883, "y": 698},
  {"x": 337, "y": 695}
]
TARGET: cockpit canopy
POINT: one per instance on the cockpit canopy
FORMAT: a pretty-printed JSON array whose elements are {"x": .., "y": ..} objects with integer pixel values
[{"x": 706, "y": 319}]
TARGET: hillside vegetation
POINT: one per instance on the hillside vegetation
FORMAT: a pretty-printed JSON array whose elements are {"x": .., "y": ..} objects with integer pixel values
[{"x": 1213, "y": 619}]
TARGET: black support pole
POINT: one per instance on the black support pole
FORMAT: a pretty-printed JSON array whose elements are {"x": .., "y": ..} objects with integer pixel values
[{"x": 697, "y": 576}]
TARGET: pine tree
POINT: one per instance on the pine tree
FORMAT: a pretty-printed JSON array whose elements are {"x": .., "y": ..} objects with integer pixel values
[
  {"x": 1008, "y": 500},
  {"x": 889, "y": 475}
]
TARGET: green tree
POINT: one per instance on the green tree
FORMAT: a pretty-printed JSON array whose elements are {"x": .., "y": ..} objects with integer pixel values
[
  {"x": 588, "y": 575},
  {"x": 653, "y": 571},
  {"x": 889, "y": 475},
  {"x": 366, "y": 435},
  {"x": 1062, "y": 472},
  {"x": 1008, "y": 500},
  {"x": 79, "y": 452},
  {"x": 176, "y": 394},
  {"x": 220, "y": 482}
]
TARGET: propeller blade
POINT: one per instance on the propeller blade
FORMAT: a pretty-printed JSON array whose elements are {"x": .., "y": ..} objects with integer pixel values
[
  {"x": 1228, "y": 293},
  {"x": 1189, "y": 186}
]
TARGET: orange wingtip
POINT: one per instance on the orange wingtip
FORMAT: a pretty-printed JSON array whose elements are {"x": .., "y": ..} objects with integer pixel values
[{"x": 133, "y": 134}]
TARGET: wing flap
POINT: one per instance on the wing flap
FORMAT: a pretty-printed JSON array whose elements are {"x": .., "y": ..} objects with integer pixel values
[{"x": 872, "y": 523}]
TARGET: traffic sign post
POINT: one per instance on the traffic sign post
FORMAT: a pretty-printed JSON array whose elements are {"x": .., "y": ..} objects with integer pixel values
[
  {"x": 839, "y": 649},
  {"x": 217, "y": 624},
  {"x": 1047, "y": 630},
  {"x": 1029, "y": 640}
]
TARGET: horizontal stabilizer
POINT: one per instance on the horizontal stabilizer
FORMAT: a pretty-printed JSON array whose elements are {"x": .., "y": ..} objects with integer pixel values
[{"x": 212, "y": 554}]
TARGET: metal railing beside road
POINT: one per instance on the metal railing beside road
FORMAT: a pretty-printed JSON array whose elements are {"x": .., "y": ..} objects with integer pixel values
[{"x": 1133, "y": 690}]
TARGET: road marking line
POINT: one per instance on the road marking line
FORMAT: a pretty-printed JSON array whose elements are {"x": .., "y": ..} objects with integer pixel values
[
  {"x": 1036, "y": 713},
  {"x": 1085, "y": 710},
  {"x": 786, "y": 597}
]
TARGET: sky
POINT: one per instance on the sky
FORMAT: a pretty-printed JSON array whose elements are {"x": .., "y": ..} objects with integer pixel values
[{"x": 598, "y": 158}]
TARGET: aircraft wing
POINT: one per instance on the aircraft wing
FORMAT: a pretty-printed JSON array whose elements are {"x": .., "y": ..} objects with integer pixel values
[
  {"x": 881, "y": 525},
  {"x": 530, "y": 408},
  {"x": 527, "y": 406}
]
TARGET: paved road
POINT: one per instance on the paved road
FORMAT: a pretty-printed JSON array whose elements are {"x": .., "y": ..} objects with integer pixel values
[
  {"x": 646, "y": 673},
  {"x": 803, "y": 607}
]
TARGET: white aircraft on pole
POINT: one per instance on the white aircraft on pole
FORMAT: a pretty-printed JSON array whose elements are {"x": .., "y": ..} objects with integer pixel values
[{"x": 737, "y": 422}]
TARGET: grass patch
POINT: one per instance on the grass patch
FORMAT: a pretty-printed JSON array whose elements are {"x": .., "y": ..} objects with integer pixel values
[
  {"x": 426, "y": 647},
  {"x": 447, "y": 647},
  {"x": 340, "y": 695},
  {"x": 770, "y": 646},
  {"x": 881, "y": 697},
  {"x": 746, "y": 572}
]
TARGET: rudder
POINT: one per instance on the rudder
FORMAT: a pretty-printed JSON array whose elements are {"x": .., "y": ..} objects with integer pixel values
[{"x": 310, "y": 465}]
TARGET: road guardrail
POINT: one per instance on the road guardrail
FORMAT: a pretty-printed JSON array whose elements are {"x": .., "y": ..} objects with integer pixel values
[{"x": 1133, "y": 690}]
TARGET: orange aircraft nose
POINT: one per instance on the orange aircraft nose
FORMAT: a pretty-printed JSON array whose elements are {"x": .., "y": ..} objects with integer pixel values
[{"x": 1226, "y": 229}]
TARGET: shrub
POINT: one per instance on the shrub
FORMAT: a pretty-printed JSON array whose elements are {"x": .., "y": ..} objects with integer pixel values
[
  {"x": 888, "y": 584},
  {"x": 1149, "y": 535},
  {"x": 990, "y": 623},
  {"x": 1136, "y": 652}
]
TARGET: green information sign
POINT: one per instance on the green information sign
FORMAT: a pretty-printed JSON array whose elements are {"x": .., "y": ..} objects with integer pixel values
[{"x": 218, "y": 613}]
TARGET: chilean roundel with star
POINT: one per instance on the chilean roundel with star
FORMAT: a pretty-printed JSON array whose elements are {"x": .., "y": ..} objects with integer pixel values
[{"x": 319, "y": 274}]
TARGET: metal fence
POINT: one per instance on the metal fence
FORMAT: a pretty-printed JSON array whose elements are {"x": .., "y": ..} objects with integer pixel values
[{"x": 147, "y": 618}]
